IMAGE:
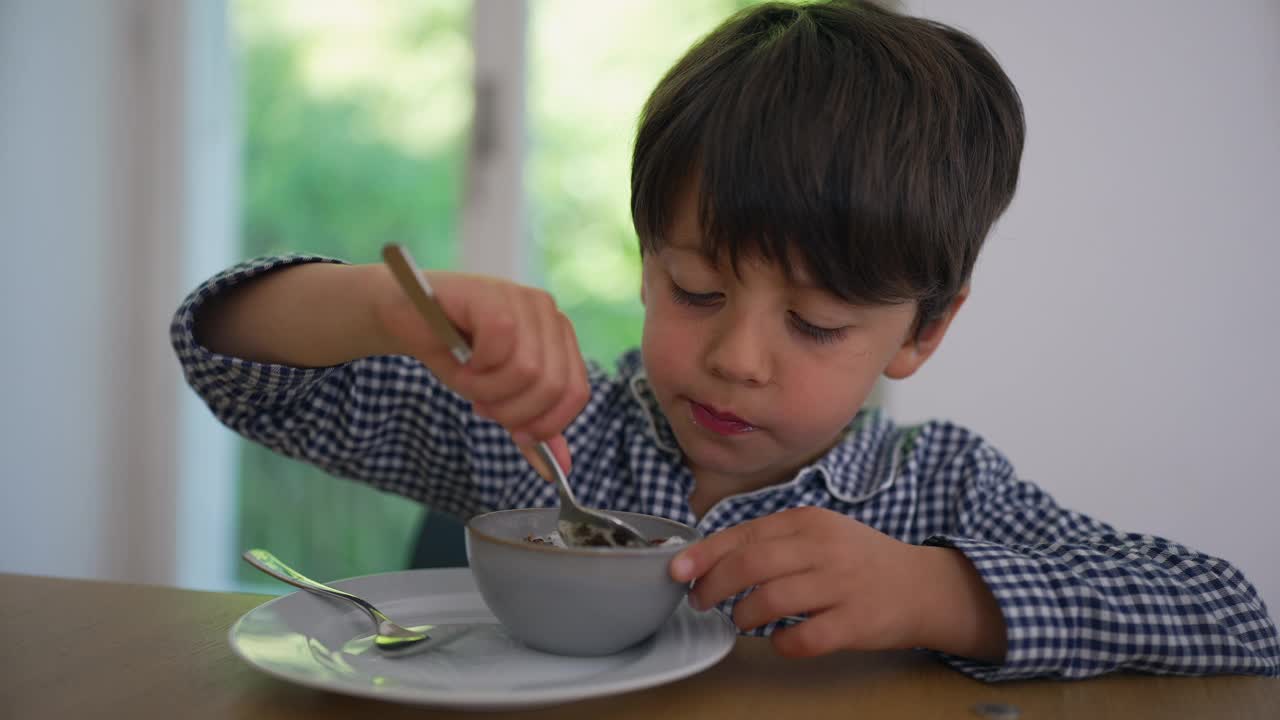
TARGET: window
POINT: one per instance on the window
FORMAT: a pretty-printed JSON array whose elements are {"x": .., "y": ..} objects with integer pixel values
[
  {"x": 592, "y": 66},
  {"x": 356, "y": 120}
]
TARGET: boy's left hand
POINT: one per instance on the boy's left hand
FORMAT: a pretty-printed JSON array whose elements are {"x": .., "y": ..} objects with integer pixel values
[{"x": 862, "y": 589}]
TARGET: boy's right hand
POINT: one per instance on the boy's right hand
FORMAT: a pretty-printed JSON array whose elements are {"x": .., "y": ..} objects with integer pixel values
[{"x": 526, "y": 371}]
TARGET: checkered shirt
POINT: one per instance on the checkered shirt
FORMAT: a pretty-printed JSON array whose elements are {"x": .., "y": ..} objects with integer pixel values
[{"x": 1078, "y": 597}]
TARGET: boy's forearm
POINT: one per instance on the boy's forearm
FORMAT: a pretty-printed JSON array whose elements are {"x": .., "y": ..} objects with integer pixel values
[
  {"x": 958, "y": 614},
  {"x": 308, "y": 315}
]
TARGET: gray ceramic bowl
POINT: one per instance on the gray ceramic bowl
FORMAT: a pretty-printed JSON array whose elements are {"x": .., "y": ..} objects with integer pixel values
[{"x": 574, "y": 601}]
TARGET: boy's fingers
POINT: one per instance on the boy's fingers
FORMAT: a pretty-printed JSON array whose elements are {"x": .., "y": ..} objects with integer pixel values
[
  {"x": 704, "y": 555},
  {"x": 540, "y": 370},
  {"x": 822, "y": 633},
  {"x": 494, "y": 334},
  {"x": 559, "y": 448},
  {"x": 760, "y": 564},
  {"x": 505, "y": 365},
  {"x": 544, "y": 404},
  {"x": 531, "y": 455},
  {"x": 557, "y": 418},
  {"x": 578, "y": 391},
  {"x": 571, "y": 390},
  {"x": 805, "y": 592}
]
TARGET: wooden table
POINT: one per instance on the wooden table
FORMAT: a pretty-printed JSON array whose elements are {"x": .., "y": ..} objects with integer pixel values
[{"x": 86, "y": 649}]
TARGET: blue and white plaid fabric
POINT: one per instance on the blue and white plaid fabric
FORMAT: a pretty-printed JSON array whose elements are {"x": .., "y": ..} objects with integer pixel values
[{"x": 1079, "y": 598}]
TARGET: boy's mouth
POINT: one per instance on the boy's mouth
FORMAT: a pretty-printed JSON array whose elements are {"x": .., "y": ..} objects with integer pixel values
[{"x": 721, "y": 423}]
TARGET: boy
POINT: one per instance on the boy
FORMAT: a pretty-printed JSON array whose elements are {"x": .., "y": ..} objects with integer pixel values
[{"x": 810, "y": 187}]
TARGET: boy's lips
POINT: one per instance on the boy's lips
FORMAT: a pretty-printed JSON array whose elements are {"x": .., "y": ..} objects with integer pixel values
[{"x": 718, "y": 421}]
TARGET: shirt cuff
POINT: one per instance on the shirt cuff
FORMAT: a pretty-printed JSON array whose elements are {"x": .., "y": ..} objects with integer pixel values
[
  {"x": 1038, "y": 632},
  {"x": 224, "y": 381}
]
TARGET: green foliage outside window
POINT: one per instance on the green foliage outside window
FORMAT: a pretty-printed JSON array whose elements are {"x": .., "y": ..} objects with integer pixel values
[{"x": 355, "y": 120}]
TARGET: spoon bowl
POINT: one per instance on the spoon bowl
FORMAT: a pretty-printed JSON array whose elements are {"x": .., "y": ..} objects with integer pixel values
[{"x": 390, "y": 639}]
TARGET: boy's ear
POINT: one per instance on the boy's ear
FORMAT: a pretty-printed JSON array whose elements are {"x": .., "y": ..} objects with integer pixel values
[{"x": 918, "y": 346}]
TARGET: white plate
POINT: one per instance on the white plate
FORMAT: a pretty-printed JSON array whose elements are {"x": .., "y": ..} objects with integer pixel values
[{"x": 325, "y": 644}]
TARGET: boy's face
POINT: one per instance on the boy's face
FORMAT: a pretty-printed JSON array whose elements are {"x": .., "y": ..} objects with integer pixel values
[{"x": 758, "y": 375}]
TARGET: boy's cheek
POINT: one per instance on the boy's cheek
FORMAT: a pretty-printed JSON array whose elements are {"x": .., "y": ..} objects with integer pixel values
[{"x": 664, "y": 358}]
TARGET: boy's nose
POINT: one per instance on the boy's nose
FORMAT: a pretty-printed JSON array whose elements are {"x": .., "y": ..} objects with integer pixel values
[{"x": 739, "y": 352}]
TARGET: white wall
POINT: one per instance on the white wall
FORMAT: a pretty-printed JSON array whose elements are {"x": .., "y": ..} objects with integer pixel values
[
  {"x": 55, "y": 212},
  {"x": 90, "y": 219},
  {"x": 1120, "y": 344}
]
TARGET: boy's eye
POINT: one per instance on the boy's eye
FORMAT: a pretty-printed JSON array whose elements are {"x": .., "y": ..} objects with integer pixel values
[
  {"x": 807, "y": 329},
  {"x": 684, "y": 297},
  {"x": 815, "y": 332}
]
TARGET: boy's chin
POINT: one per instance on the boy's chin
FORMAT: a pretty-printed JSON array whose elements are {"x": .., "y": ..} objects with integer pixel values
[
  {"x": 724, "y": 461},
  {"x": 759, "y": 462}
]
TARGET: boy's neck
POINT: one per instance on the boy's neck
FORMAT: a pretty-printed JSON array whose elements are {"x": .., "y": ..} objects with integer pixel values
[{"x": 710, "y": 488}]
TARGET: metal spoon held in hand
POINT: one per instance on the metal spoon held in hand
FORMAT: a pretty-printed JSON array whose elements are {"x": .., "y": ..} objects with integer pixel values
[
  {"x": 390, "y": 638},
  {"x": 578, "y": 525}
]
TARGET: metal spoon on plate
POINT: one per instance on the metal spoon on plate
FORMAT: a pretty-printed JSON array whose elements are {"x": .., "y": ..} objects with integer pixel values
[
  {"x": 578, "y": 525},
  {"x": 390, "y": 639}
]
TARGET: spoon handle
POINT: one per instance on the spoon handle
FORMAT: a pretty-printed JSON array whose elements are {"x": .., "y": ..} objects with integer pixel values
[
  {"x": 562, "y": 482},
  {"x": 271, "y": 565},
  {"x": 423, "y": 297},
  {"x": 419, "y": 291}
]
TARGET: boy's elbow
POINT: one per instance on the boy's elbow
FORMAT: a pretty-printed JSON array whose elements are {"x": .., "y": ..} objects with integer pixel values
[{"x": 1254, "y": 630}]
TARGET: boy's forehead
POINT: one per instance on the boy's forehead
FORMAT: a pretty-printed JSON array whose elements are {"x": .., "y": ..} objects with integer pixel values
[
  {"x": 686, "y": 234},
  {"x": 793, "y": 272}
]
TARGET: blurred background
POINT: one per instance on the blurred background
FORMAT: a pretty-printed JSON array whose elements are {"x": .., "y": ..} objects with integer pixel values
[{"x": 1118, "y": 346}]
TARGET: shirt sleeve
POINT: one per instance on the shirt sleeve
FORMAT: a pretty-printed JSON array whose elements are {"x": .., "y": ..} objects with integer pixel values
[
  {"x": 386, "y": 421},
  {"x": 1080, "y": 598}
]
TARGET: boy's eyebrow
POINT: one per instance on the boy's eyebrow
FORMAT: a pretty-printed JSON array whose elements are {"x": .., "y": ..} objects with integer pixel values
[
  {"x": 798, "y": 277},
  {"x": 692, "y": 247},
  {"x": 801, "y": 281},
  {"x": 683, "y": 243}
]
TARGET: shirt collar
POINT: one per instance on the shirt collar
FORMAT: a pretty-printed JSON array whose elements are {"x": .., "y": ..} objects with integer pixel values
[
  {"x": 862, "y": 464},
  {"x": 659, "y": 429}
]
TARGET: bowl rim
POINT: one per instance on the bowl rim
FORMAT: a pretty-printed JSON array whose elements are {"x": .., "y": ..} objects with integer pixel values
[{"x": 583, "y": 551}]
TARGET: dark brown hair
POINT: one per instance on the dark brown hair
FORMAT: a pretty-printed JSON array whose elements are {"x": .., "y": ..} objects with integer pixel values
[{"x": 874, "y": 148}]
